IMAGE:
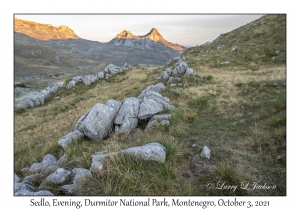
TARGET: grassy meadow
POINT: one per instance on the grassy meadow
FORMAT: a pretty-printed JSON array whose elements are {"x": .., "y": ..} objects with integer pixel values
[{"x": 242, "y": 122}]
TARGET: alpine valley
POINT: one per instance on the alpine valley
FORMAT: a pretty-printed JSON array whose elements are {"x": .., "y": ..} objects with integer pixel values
[{"x": 43, "y": 48}]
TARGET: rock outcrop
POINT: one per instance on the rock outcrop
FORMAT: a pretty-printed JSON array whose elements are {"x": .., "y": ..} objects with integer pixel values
[
  {"x": 67, "y": 139},
  {"x": 81, "y": 175},
  {"x": 26, "y": 188},
  {"x": 149, "y": 152},
  {"x": 123, "y": 117},
  {"x": 152, "y": 151},
  {"x": 60, "y": 176},
  {"x": 127, "y": 117},
  {"x": 97, "y": 123},
  {"x": 159, "y": 87},
  {"x": 128, "y": 39},
  {"x": 47, "y": 161},
  {"x": 39, "y": 99},
  {"x": 157, "y": 120},
  {"x": 180, "y": 68},
  {"x": 205, "y": 153},
  {"x": 43, "y": 31}
]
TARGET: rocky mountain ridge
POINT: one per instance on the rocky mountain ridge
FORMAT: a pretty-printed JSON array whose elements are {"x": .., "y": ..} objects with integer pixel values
[
  {"x": 32, "y": 40},
  {"x": 153, "y": 35},
  {"x": 43, "y": 31}
]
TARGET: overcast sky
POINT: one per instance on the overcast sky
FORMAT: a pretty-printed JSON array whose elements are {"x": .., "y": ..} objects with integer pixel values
[{"x": 186, "y": 30}]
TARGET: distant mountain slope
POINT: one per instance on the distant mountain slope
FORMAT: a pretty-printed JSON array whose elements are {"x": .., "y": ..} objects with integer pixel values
[
  {"x": 32, "y": 57},
  {"x": 150, "y": 49},
  {"x": 43, "y": 31},
  {"x": 261, "y": 42}
]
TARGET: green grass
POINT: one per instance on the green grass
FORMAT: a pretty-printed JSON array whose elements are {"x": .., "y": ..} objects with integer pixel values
[
  {"x": 265, "y": 37},
  {"x": 20, "y": 110},
  {"x": 20, "y": 85},
  {"x": 242, "y": 122}
]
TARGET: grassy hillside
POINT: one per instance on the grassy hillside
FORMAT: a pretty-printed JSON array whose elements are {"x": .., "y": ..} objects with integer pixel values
[
  {"x": 259, "y": 43},
  {"x": 32, "y": 58},
  {"x": 238, "y": 112}
]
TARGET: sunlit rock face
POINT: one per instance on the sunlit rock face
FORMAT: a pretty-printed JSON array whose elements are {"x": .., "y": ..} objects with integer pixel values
[
  {"x": 43, "y": 31},
  {"x": 128, "y": 39}
]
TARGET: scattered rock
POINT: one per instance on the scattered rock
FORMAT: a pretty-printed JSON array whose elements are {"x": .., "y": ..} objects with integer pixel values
[
  {"x": 88, "y": 80},
  {"x": 112, "y": 69},
  {"x": 179, "y": 68},
  {"x": 67, "y": 139},
  {"x": 152, "y": 151},
  {"x": 24, "y": 193},
  {"x": 71, "y": 84},
  {"x": 172, "y": 79},
  {"x": 225, "y": 63},
  {"x": 189, "y": 71},
  {"x": 107, "y": 76},
  {"x": 148, "y": 108},
  {"x": 175, "y": 91},
  {"x": 166, "y": 74},
  {"x": 126, "y": 67},
  {"x": 205, "y": 152},
  {"x": 30, "y": 193},
  {"x": 24, "y": 170},
  {"x": 220, "y": 47},
  {"x": 152, "y": 102},
  {"x": 23, "y": 187},
  {"x": 97, "y": 123},
  {"x": 30, "y": 180},
  {"x": 61, "y": 159},
  {"x": 127, "y": 117},
  {"x": 101, "y": 75},
  {"x": 16, "y": 178},
  {"x": 78, "y": 79},
  {"x": 157, "y": 120},
  {"x": 60, "y": 176},
  {"x": 31, "y": 101},
  {"x": 232, "y": 50},
  {"x": 173, "y": 85},
  {"x": 97, "y": 159},
  {"x": 81, "y": 175},
  {"x": 155, "y": 88},
  {"x": 43, "y": 193},
  {"x": 47, "y": 161}
]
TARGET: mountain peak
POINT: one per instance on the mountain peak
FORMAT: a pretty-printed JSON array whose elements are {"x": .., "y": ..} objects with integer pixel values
[
  {"x": 125, "y": 35},
  {"x": 43, "y": 31},
  {"x": 154, "y": 35}
]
